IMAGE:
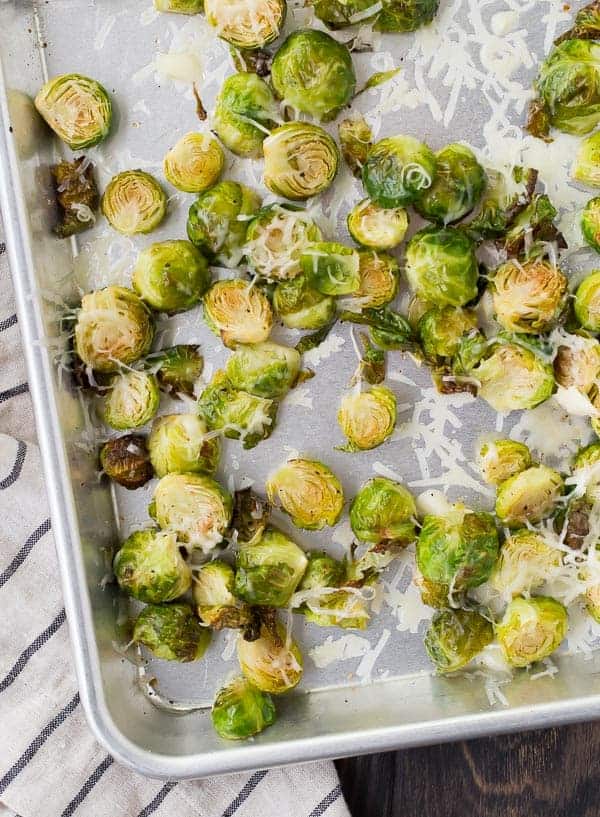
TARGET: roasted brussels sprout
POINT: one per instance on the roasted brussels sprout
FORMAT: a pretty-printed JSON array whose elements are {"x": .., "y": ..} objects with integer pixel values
[
  {"x": 531, "y": 629},
  {"x": 379, "y": 275},
  {"x": 273, "y": 662},
  {"x": 218, "y": 219},
  {"x": 405, "y": 15},
  {"x": 356, "y": 139},
  {"x": 587, "y": 24},
  {"x": 578, "y": 364},
  {"x": 457, "y": 188},
  {"x": 344, "y": 607},
  {"x": 398, "y": 170},
  {"x": 251, "y": 514},
  {"x": 301, "y": 160},
  {"x": 149, "y": 567},
  {"x": 440, "y": 330},
  {"x": 265, "y": 369},
  {"x": 377, "y": 227},
  {"x": 308, "y": 491},
  {"x": 459, "y": 549},
  {"x": 245, "y": 113},
  {"x": 592, "y": 601},
  {"x": 586, "y": 168},
  {"x": 194, "y": 163},
  {"x": 322, "y": 570},
  {"x": 313, "y": 73},
  {"x": 528, "y": 296},
  {"x": 238, "y": 311},
  {"x": 113, "y": 326},
  {"x": 77, "y": 108},
  {"x": 194, "y": 507},
  {"x": 529, "y": 496},
  {"x": 383, "y": 511},
  {"x": 586, "y": 467},
  {"x": 76, "y": 196},
  {"x": 342, "y": 13},
  {"x": 171, "y": 276},
  {"x": 214, "y": 597},
  {"x": 526, "y": 562},
  {"x": 275, "y": 240},
  {"x": 331, "y": 268},
  {"x": 246, "y": 25},
  {"x": 455, "y": 637},
  {"x": 125, "y": 460},
  {"x": 300, "y": 306},
  {"x": 367, "y": 418},
  {"x": 507, "y": 195},
  {"x": 134, "y": 202},
  {"x": 240, "y": 710},
  {"x": 268, "y": 571},
  {"x": 239, "y": 414},
  {"x": 180, "y": 6},
  {"x": 179, "y": 443},
  {"x": 532, "y": 229},
  {"x": 178, "y": 369},
  {"x": 171, "y": 632},
  {"x": 441, "y": 267},
  {"x": 587, "y": 302},
  {"x": 498, "y": 460},
  {"x": 132, "y": 400},
  {"x": 590, "y": 223}
]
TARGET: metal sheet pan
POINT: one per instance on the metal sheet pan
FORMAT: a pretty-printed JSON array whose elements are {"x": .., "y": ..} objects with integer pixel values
[{"x": 341, "y": 709}]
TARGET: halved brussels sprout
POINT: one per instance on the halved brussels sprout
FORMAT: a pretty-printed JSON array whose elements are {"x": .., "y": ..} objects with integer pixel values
[
  {"x": 132, "y": 400},
  {"x": 529, "y": 496},
  {"x": 379, "y": 275},
  {"x": 125, "y": 460},
  {"x": 194, "y": 163},
  {"x": 525, "y": 564},
  {"x": 179, "y": 443},
  {"x": 214, "y": 597},
  {"x": 275, "y": 240},
  {"x": 171, "y": 276},
  {"x": 364, "y": 571},
  {"x": 398, "y": 170},
  {"x": 528, "y": 296},
  {"x": 322, "y": 570},
  {"x": 356, "y": 139},
  {"x": 590, "y": 223},
  {"x": 77, "y": 108},
  {"x": 239, "y": 414},
  {"x": 245, "y": 112},
  {"x": 383, "y": 511},
  {"x": 531, "y": 629},
  {"x": 344, "y": 607},
  {"x": 586, "y": 467},
  {"x": 441, "y": 329},
  {"x": 301, "y": 160},
  {"x": 265, "y": 369},
  {"x": 433, "y": 594},
  {"x": 331, "y": 268},
  {"x": 441, "y": 267},
  {"x": 342, "y": 13},
  {"x": 578, "y": 364},
  {"x": 532, "y": 229},
  {"x": 498, "y": 460},
  {"x": 268, "y": 571},
  {"x": 218, "y": 219},
  {"x": 405, "y": 15},
  {"x": 172, "y": 632},
  {"x": 149, "y": 567},
  {"x": 308, "y": 491},
  {"x": 457, "y": 188},
  {"x": 246, "y": 25},
  {"x": 592, "y": 601},
  {"x": 134, "y": 202},
  {"x": 194, "y": 507},
  {"x": 587, "y": 302},
  {"x": 273, "y": 662},
  {"x": 300, "y": 306},
  {"x": 180, "y": 6},
  {"x": 454, "y": 637},
  {"x": 77, "y": 196},
  {"x": 238, "y": 311},
  {"x": 459, "y": 549},
  {"x": 113, "y": 326},
  {"x": 240, "y": 710},
  {"x": 377, "y": 227},
  {"x": 367, "y": 418},
  {"x": 179, "y": 369},
  {"x": 586, "y": 168},
  {"x": 507, "y": 195}
]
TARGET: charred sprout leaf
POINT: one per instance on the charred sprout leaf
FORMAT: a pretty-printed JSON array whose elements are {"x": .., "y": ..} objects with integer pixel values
[
  {"x": 213, "y": 592},
  {"x": 575, "y": 522},
  {"x": 538, "y": 120},
  {"x": 372, "y": 363},
  {"x": 200, "y": 109},
  {"x": 502, "y": 204},
  {"x": 77, "y": 108},
  {"x": 308, "y": 491},
  {"x": 178, "y": 369},
  {"x": 134, "y": 202},
  {"x": 389, "y": 329},
  {"x": 315, "y": 339},
  {"x": 240, "y": 710},
  {"x": 531, "y": 629},
  {"x": 251, "y": 514},
  {"x": 258, "y": 61},
  {"x": 446, "y": 382},
  {"x": 76, "y": 195},
  {"x": 149, "y": 567},
  {"x": 532, "y": 226},
  {"x": 179, "y": 443},
  {"x": 355, "y": 139},
  {"x": 455, "y": 637},
  {"x": 126, "y": 461},
  {"x": 587, "y": 25},
  {"x": 172, "y": 632},
  {"x": 249, "y": 25}
]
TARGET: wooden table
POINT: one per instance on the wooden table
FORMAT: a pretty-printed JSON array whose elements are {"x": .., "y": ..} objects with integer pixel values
[{"x": 552, "y": 773}]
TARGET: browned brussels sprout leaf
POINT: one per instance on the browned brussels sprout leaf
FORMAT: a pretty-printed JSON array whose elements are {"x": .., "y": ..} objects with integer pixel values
[
  {"x": 531, "y": 226},
  {"x": 76, "y": 195},
  {"x": 315, "y": 339},
  {"x": 250, "y": 515},
  {"x": 587, "y": 24},
  {"x": 372, "y": 365},
  {"x": 538, "y": 121},
  {"x": 255, "y": 61}
]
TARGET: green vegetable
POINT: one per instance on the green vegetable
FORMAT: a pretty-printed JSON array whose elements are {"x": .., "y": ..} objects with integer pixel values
[
  {"x": 389, "y": 329},
  {"x": 125, "y": 460},
  {"x": 132, "y": 400},
  {"x": 377, "y": 227},
  {"x": 440, "y": 330},
  {"x": 194, "y": 163},
  {"x": 398, "y": 170},
  {"x": 238, "y": 311},
  {"x": 249, "y": 25},
  {"x": 179, "y": 443},
  {"x": 301, "y": 306},
  {"x": 171, "y": 276},
  {"x": 356, "y": 140},
  {"x": 405, "y": 15},
  {"x": 457, "y": 188},
  {"x": 586, "y": 167},
  {"x": 528, "y": 496},
  {"x": 526, "y": 562},
  {"x": 178, "y": 369},
  {"x": 383, "y": 511},
  {"x": 528, "y": 296},
  {"x": 275, "y": 240},
  {"x": 76, "y": 196},
  {"x": 342, "y": 13},
  {"x": 240, "y": 710},
  {"x": 590, "y": 223},
  {"x": 331, "y": 268},
  {"x": 441, "y": 267},
  {"x": 587, "y": 302},
  {"x": 379, "y": 276},
  {"x": 245, "y": 113},
  {"x": 578, "y": 364},
  {"x": 272, "y": 662},
  {"x": 301, "y": 160},
  {"x": 171, "y": 632},
  {"x": 499, "y": 460},
  {"x": 213, "y": 592},
  {"x": 531, "y": 629},
  {"x": 265, "y": 369},
  {"x": 149, "y": 567},
  {"x": 78, "y": 109},
  {"x": 134, "y": 202},
  {"x": 367, "y": 418},
  {"x": 308, "y": 491},
  {"x": 180, "y": 6},
  {"x": 455, "y": 637},
  {"x": 269, "y": 570}
]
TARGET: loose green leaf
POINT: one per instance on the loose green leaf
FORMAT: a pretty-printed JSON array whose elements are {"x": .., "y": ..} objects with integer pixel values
[{"x": 315, "y": 339}]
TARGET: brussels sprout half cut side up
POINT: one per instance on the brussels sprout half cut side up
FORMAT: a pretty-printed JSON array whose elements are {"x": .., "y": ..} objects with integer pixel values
[
  {"x": 398, "y": 170},
  {"x": 587, "y": 302},
  {"x": 590, "y": 223},
  {"x": 179, "y": 443},
  {"x": 531, "y": 629},
  {"x": 331, "y": 268},
  {"x": 578, "y": 364},
  {"x": 441, "y": 266},
  {"x": 77, "y": 108},
  {"x": 383, "y": 511},
  {"x": 149, "y": 567},
  {"x": 367, "y": 418},
  {"x": 525, "y": 564},
  {"x": 134, "y": 202},
  {"x": 238, "y": 312},
  {"x": 301, "y": 160},
  {"x": 440, "y": 330},
  {"x": 180, "y": 6},
  {"x": 457, "y": 188},
  {"x": 586, "y": 168},
  {"x": 246, "y": 25},
  {"x": 194, "y": 163},
  {"x": 172, "y": 632},
  {"x": 498, "y": 460},
  {"x": 308, "y": 491},
  {"x": 178, "y": 369},
  {"x": 313, "y": 73},
  {"x": 213, "y": 595},
  {"x": 528, "y": 296},
  {"x": 132, "y": 400},
  {"x": 269, "y": 570},
  {"x": 240, "y": 710},
  {"x": 126, "y": 461},
  {"x": 455, "y": 637},
  {"x": 264, "y": 369},
  {"x": 245, "y": 113},
  {"x": 379, "y": 274},
  {"x": 275, "y": 240},
  {"x": 171, "y": 276},
  {"x": 529, "y": 496},
  {"x": 300, "y": 306},
  {"x": 272, "y": 662},
  {"x": 377, "y": 227}
]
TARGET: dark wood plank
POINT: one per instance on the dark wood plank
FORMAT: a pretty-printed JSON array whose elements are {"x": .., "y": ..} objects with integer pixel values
[{"x": 552, "y": 773}]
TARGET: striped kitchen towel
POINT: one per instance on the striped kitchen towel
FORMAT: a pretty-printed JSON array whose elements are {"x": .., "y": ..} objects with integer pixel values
[{"x": 50, "y": 764}]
